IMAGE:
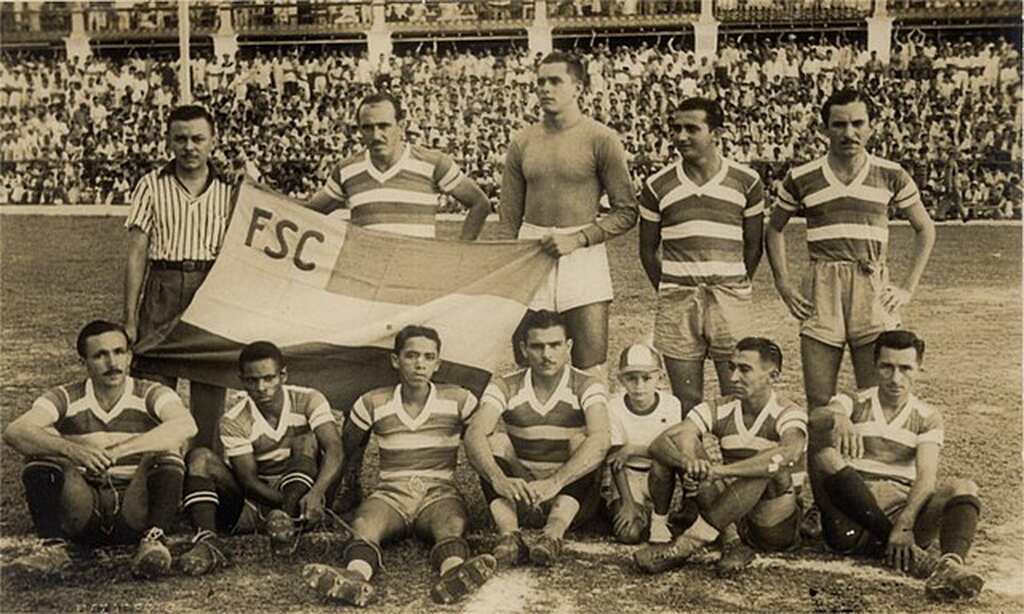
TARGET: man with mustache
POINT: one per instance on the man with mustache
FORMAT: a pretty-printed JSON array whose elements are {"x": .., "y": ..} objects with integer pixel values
[
  {"x": 878, "y": 455},
  {"x": 556, "y": 437},
  {"x": 104, "y": 459},
  {"x": 179, "y": 214},
  {"x": 556, "y": 172},
  {"x": 394, "y": 186},
  {"x": 847, "y": 297}
]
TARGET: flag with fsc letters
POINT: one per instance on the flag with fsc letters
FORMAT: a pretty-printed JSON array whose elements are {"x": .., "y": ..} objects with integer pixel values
[{"x": 333, "y": 295}]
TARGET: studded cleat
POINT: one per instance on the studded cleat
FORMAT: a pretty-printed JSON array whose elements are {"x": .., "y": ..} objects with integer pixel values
[
  {"x": 460, "y": 581},
  {"x": 152, "y": 559},
  {"x": 51, "y": 556},
  {"x": 205, "y": 555},
  {"x": 663, "y": 557},
  {"x": 736, "y": 556},
  {"x": 338, "y": 584},
  {"x": 545, "y": 551},
  {"x": 510, "y": 550},
  {"x": 281, "y": 530},
  {"x": 953, "y": 580}
]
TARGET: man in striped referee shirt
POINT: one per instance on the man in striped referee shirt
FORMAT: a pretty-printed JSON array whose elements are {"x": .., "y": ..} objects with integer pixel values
[
  {"x": 848, "y": 299},
  {"x": 179, "y": 214}
]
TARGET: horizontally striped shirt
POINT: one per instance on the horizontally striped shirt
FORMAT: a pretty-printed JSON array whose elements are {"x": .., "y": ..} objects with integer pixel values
[
  {"x": 426, "y": 446},
  {"x": 702, "y": 226},
  {"x": 848, "y": 222},
  {"x": 724, "y": 420},
  {"x": 631, "y": 428},
  {"x": 545, "y": 434},
  {"x": 180, "y": 226},
  {"x": 245, "y": 430},
  {"x": 78, "y": 416},
  {"x": 890, "y": 447},
  {"x": 402, "y": 199}
]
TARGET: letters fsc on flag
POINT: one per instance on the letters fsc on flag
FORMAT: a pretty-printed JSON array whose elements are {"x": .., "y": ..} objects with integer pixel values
[{"x": 333, "y": 295}]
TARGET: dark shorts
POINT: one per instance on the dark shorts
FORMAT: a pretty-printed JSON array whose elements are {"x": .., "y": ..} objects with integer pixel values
[
  {"x": 166, "y": 295},
  {"x": 586, "y": 491}
]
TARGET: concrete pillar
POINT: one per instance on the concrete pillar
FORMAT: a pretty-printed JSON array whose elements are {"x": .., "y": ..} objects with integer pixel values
[
  {"x": 227, "y": 26},
  {"x": 707, "y": 10},
  {"x": 77, "y": 45},
  {"x": 225, "y": 44},
  {"x": 379, "y": 17},
  {"x": 880, "y": 37},
  {"x": 705, "y": 37},
  {"x": 77, "y": 19},
  {"x": 539, "y": 33}
]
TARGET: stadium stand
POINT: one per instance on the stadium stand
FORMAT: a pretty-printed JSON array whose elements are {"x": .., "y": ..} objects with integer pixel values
[{"x": 80, "y": 131}]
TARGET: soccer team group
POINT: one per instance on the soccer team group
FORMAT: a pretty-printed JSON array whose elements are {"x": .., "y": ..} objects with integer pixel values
[{"x": 113, "y": 458}]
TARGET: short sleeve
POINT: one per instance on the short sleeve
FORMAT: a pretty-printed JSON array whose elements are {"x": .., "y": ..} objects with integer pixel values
[
  {"x": 755, "y": 199},
  {"x": 593, "y": 392},
  {"x": 447, "y": 174},
  {"x": 789, "y": 194},
  {"x": 791, "y": 417},
  {"x": 362, "y": 415},
  {"x": 320, "y": 411},
  {"x": 234, "y": 438},
  {"x": 497, "y": 392},
  {"x": 333, "y": 186},
  {"x": 650, "y": 205},
  {"x": 164, "y": 403},
  {"x": 905, "y": 190},
  {"x": 467, "y": 406},
  {"x": 141, "y": 213},
  {"x": 703, "y": 415},
  {"x": 932, "y": 430}
]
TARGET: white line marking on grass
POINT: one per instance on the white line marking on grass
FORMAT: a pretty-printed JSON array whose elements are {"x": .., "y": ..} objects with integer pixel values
[{"x": 508, "y": 592}]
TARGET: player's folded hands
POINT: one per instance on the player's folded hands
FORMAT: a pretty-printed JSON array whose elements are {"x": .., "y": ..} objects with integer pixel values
[{"x": 513, "y": 489}]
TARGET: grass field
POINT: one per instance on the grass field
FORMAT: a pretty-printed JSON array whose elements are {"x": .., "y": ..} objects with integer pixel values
[{"x": 57, "y": 272}]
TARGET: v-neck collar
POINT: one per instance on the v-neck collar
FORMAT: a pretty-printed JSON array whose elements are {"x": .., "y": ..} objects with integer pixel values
[
  {"x": 878, "y": 414},
  {"x": 382, "y": 176},
  {"x": 282, "y": 420},
  {"x": 410, "y": 422},
  {"x": 755, "y": 428},
  {"x": 556, "y": 394},
  {"x": 710, "y": 183},
  {"x": 830, "y": 175},
  {"x": 97, "y": 409}
]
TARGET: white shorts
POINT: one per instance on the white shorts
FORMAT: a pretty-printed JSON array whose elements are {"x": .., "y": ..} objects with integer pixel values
[{"x": 581, "y": 278}]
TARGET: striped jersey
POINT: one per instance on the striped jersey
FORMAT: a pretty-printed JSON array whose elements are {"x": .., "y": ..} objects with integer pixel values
[
  {"x": 545, "y": 434},
  {"x": 402, "y": 199},
  {"x": 180, "y": 226},
  {"x": 848, "y": 222},
  {"x": 631, "y": 428},
  {"x": 724, "y": 419},
  {"x": 890, "y": 446},
  {"x": 244, "y": 429},
  {"x": 702, "y": 226},
  {"x": 426, "y": 446},
  {"x": 77, "y": 416}
]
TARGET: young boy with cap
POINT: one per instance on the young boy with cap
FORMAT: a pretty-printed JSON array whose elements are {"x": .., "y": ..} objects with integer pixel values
[{"x": 638, "y": 415}]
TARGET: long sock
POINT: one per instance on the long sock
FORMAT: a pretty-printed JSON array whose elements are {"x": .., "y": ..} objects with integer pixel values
[
  {"x": 296, "y": 482},
  {"x": 702, "y": 531},
  {"x": 851, "y": 495},
  {"x": 959, "y": 522},
  {"x": 201, "y": 502},
  {"x": 163, "y": 487},
  {"x": 363, "y": 558},
  {"x": 448, "y": 553},
  {"x": 44, "y": 481},
  {"x": 563, "y": 510}
]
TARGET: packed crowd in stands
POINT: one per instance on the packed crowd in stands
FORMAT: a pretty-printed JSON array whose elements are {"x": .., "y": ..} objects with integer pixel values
[{"x": 949, "y": 110}]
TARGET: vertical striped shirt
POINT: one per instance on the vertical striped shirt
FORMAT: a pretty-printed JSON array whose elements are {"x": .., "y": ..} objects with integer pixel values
[
  {"x": 848, "y": 222},
  {"x": 76, "y": 414},
  {"x": 180, "y": 226},
  {"x": 890, "y": 446},
  {"x": 702, "y": 226},
  {"x": 426, "y": 446},
  {"x": 628, "y": 427},
  {"x": 244, "y": 429},
  {"x": 724, "y": 420},
  {"x": 402, "y": 199},
  {"x": 543, "y": 434}
]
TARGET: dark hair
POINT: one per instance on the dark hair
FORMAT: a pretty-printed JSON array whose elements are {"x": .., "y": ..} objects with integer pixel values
[
  {"x": 379, "y": 98},
  {"x": 189, "y": 112},
  {"x": 413, "y": 330},
  {"x": 260, "y": 350},
  {"x": 540, "y": 320},
  {"x": 573, "y": 65},
  {"x": 846, "y": 96},
  {"x": 899, "y": 340},
  {"x": 95, "y": 328},
  {"x": 713, "y": 114},
  {"x": 766, "y": 348}
]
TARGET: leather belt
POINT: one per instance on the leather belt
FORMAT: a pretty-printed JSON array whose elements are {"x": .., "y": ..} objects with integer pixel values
[{"x": 181, "y": 265}]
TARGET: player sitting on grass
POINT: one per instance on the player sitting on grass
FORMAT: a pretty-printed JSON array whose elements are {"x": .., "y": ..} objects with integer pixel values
[
  {"x": 104, "y": 458},
  {"x": 418, "y": 425},
  {"x": 549, "y": 459},
  {"x": 762, "y": 437},
  {"x": 637, "y": 417},
  {"x": 282, "y": 457},
  {"x": 879, "y": 453}
]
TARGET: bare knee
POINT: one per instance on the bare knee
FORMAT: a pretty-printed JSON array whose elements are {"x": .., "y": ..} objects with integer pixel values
[
  {"x": 778, "y": 485},
  {"x": 202, "y": 462},
  {"x": 957, "y": 487}
]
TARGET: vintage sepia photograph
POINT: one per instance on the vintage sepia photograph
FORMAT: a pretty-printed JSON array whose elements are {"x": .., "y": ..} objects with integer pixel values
[{"x": 511, "y": 306}]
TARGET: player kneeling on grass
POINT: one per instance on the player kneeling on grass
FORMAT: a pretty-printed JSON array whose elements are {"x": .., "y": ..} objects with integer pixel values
[
  {"x": 879, "y": 453},
  {"x": 750, "y": 495},
  {"x": 637, "y": 417},
  {"x": 282, "y": 458},
  {"x": 104, "y": 458},
  {"x": 418, "y": 425},
  {"x": 549, "y": 459}
]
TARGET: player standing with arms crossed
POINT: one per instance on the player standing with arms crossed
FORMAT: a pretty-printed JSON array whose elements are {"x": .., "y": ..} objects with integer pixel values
[
  {"x": 848, "y": 299},
  {"x": 555, "y": 173}
]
